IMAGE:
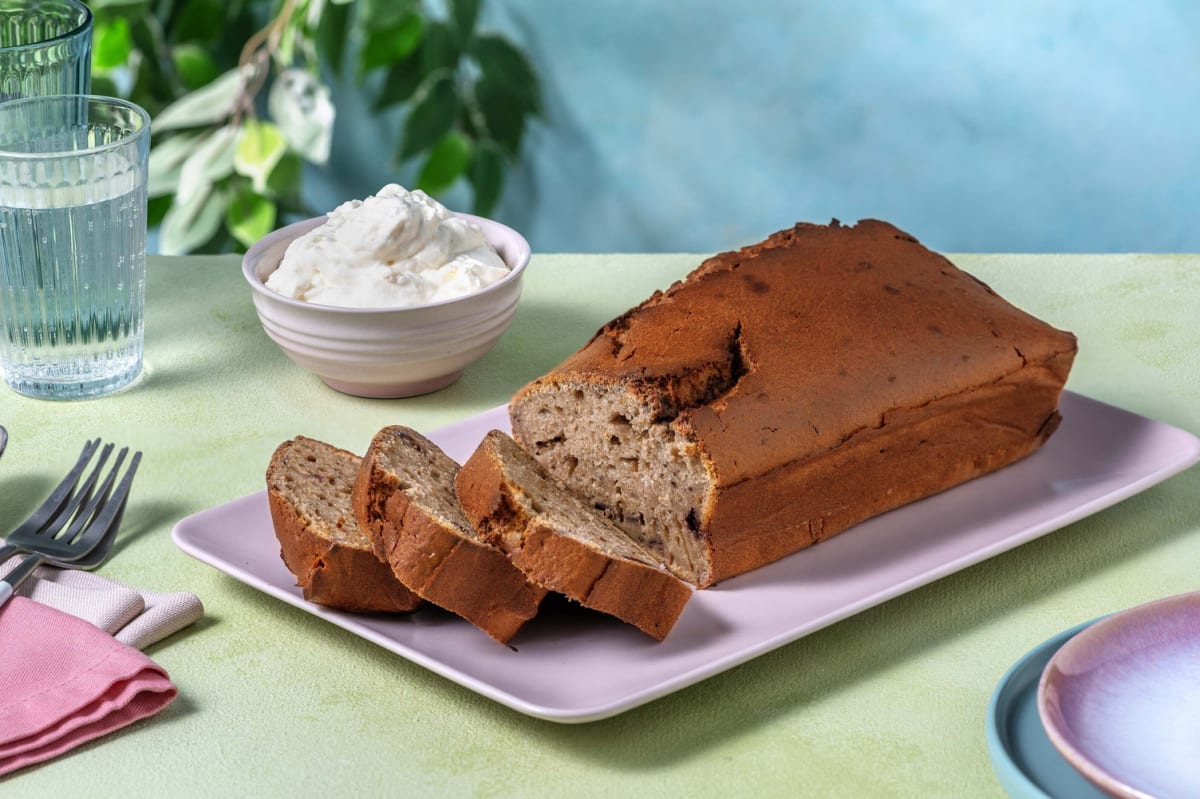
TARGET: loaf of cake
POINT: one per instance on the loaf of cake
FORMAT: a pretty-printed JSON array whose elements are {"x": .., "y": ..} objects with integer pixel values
[
  {"x": 560, "y": 542},
  {"x": 787, "y": 391},
  {"x": 404, "y": 497},
  {"x": 309, "y": 484}
]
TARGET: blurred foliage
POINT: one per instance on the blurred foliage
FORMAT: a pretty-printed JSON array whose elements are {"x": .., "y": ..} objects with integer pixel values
[{"x": 239, "y": 94}]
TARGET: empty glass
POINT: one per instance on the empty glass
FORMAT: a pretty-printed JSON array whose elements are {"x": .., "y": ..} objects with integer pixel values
[{"x": 72, "y": 244}]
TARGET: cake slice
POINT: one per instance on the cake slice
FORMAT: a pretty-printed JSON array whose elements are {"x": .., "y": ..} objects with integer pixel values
[
  {"x": 308, "y": 490},
  {"x": 404, "y": 496},
  {"x": 562, "y": 544}
]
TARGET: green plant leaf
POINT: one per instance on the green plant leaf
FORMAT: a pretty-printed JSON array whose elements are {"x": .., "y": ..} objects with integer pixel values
[
  {"x": 111, "y": 43},
  {"x": 464, "y": 14},
  {"x": 388, "y": 45},
  {"x": 302, "y": 108},
  {"x": 204, "y": 106},
  {"x": 286, "y": 179},
  {"x": 201, "y": 21},
  {"x": 190, "y": 223},
  {"x": 285, "y": 53},
  {"x": 333, "y": 32},
  {"x": 378, "y": 14},
  {"x": 194, "y": 66},
  {"x": 503, "y": 114},
  {"x": 486, "y": 175},
  {"x": 446, "y": 161},
  {"x": 260, "y": 146},
  {"x": 503, "y": 64},
  {"x": 431, "y": 116},
  {"x": 156, "y": 209},
  {"x": 401, "y": 83},
  {"x": 440, "y": 50},
  {"x": 152, "y": 87},
  {"x": 103, "y": 84},
  {"x": 249, "y": 217},
  {"x": 210, "y": 161},
  {"x": 166, "y": 162}
]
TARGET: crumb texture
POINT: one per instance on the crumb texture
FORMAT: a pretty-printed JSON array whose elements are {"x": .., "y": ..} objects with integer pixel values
[
  {"x": 405, "y": 497},
  {"x": 310, "y": 487},
  {"x": 425, "y": 474},
  {"x": 561, "y": 543},
  {"x": 318, "y": 480}
]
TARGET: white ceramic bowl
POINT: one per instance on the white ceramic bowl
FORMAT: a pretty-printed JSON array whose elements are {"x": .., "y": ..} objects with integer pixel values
[{"x": 387, "y": 352}]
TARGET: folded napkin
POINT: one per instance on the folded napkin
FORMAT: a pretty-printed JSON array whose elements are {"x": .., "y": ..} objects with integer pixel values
[
  {"x": 64, "y": 681},
  {"x": 133, "y": 616},
  {"x": 70, "y": 669}
]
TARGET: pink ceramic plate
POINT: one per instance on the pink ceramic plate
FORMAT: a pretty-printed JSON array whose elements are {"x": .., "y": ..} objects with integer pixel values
[
  {"x": 1121, "y": 700},
  {"x": 571, "y": 665}
]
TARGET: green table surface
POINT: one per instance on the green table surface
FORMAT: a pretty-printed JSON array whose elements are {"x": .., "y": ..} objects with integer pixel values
[{"x": 275, "y": 702}]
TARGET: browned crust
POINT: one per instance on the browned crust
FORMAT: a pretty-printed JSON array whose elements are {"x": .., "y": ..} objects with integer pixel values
[
  {"x": 331, "y": 574},
  {"x": 954, "y": 441},
  {"x": 792, "y": 364},
  {"x": 469, "y": 578},
  {"x": 645, "y": 597}
]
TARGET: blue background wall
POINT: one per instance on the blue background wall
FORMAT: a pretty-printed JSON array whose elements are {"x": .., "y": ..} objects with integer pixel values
[{"x": 977, "y": 126}]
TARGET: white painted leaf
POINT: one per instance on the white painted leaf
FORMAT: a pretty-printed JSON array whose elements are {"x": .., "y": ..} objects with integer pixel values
[
  {"x": 301, "y": 106},
  {"x": 189, "y": 223},
  {"x": 209, "y": 162},
  {"x": 166, "y": 163},
  {"x": 207, "y": 105}
]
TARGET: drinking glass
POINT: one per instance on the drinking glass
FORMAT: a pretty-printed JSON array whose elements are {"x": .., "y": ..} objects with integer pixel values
[
  {"x": 45, "y": 48},
  {"x": 73, "y": 174}
]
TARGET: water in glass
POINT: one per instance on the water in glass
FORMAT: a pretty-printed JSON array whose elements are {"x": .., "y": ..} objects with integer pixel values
[{"x": 72, "y": 263}]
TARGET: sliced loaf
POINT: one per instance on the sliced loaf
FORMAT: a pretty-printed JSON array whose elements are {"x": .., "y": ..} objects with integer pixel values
[
  {"x": 308, "y": 489},
  {"x": 791, "y": 389},
  {"x": 404, "y": 496},
  {"x": 561, "y": 543}
]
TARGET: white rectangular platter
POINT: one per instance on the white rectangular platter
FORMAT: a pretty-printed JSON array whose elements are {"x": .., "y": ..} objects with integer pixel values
[{"x": 573, "y": 665}]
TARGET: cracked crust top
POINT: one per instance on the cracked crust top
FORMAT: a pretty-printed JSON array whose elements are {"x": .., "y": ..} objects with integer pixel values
[{"x": 821, "y": 330}]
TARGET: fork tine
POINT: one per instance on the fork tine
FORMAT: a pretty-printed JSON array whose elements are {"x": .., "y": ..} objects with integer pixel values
[
  {"x": 53, "y": 504},
  {"x": 99, "y": 523},
  {"x": 110, "y": 515},
  {"x": 81, "y": 497},
  {"x": 83, "y": 520}
]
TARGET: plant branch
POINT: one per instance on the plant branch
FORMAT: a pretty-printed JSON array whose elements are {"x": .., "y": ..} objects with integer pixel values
[{"x": 256, "y": 53}]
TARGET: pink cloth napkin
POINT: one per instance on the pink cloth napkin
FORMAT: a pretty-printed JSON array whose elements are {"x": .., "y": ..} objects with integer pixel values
[{"x": 64, "y": 681}]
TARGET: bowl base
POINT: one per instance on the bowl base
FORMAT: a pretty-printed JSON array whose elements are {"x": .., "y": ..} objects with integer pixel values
[{"x": 392, "y": 390}]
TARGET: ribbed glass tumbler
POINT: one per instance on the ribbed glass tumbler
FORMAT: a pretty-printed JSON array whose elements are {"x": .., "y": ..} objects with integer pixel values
[
  {"x": 72, "y": 244},
  {"x": 45, "y": 48}
]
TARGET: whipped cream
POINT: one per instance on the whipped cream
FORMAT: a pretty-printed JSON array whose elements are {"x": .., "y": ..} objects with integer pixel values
[{"x": 397, "y": 248}]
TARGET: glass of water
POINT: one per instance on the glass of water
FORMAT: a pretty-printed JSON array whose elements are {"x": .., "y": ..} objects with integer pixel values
[
  {"x": 72, "y": 244},
  {"x": 45, "y": 48}
]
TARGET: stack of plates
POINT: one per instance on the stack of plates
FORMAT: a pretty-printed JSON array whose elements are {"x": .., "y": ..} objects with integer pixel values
[{"x": 1111, "y": 707}]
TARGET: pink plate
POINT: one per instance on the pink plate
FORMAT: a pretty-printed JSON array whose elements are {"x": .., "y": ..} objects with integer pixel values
[
  {"x": 1121, "y": 700},
  {"x": 570, "y": 665}
]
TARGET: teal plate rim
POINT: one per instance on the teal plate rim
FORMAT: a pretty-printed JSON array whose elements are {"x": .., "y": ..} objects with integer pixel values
[{"x": 1023, "y": 758}]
